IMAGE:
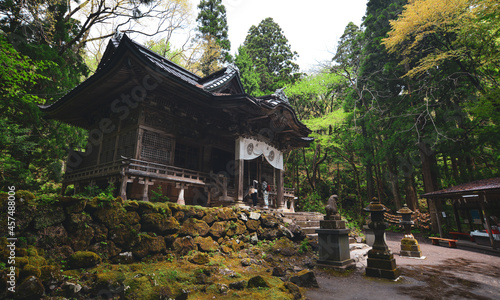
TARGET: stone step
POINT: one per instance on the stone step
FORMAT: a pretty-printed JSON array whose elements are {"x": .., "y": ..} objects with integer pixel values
[
  {"x": 309, "y": 230},
  {"x": 314, "y": 223},
  {"x": 305, "y": 216}
]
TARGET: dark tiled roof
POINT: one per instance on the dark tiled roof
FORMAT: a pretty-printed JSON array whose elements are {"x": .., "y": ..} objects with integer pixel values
[{"x": 484, "y": 185}]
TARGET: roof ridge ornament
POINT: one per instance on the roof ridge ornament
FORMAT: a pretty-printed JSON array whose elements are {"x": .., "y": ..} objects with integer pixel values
[
  {"x": 232, "y": 68},
  {"x": 280, "y": 94}
]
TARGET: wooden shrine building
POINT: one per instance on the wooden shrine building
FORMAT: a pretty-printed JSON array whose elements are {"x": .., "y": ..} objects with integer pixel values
[{"x": 153, "y": 124}]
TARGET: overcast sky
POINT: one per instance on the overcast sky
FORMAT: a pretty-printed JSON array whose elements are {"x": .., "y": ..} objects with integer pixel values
[{"x": 312, "y": 27}]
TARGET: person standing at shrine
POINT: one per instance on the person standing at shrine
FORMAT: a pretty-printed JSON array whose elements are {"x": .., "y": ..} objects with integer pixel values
[
  {"x": 253, "y": 193},
  {"x": 265, "y": 192}
]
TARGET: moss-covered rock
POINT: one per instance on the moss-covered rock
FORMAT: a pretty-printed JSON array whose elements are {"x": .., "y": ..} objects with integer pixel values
[
  {"x": 149, "y": 245},
  {"x": 30, "y": 288},
  {"x": 77, "y": 221},
  {"x": 29, "y": 270},
  {"x": 194, "y": 227},
  {"x": 257, "y": 282},
  {"x": 131, "y": 205},
  {"x": 159, "y": 223},
  {"x": 236, "y": 228},
  {"x": 268, "y": 220},
  {"x": 125, "y": 236},
  {"x": 182, "y": 245},
  {"x": 253, "y": 225},
  {"x": 50, "y": 275},
  {"x": 131, "y": 217},
  {"x": 219, "y": 229},
  {"x": 200, "y": 258},
  {"x": 83, "y": 259},
  {"x": 210, "y": 216},
  {"x": 106, "y": 249},
  {"x": 146, "y": 207},
  {"x": 82, "y": 239},
  {"x": 293, "y": 289},
  {"x": 110, "y": 214},
  {"x": 50, "y": 236},
  {"x": 179, "y": 216},
  {"x": 21, "y": 262},
  {"x": 48, "y": 215},
  {"x": 226, "y": 214},
  {"x": 285, "y": 247},
  {"x": 304, "y": 278},
  {"x": 194, "y": 212},
  {"x": 73, "y": 205},
  {"x": 37, "y": 260},
  {"x": 206, "y": 244},
  {"x": 100, "y": 232}
]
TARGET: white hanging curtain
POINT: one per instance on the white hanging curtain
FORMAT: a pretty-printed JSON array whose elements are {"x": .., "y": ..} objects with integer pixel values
[{"x": 248, "y": 149}]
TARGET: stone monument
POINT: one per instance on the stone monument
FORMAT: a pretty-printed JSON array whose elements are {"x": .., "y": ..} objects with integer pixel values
[
  {"x": 380, "y": 262},
  {"x": 333, "y": 240},
  {"x": 409, "y": 245}
]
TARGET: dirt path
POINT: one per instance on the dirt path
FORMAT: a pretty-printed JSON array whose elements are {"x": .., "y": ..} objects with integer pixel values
[{"x": 445, "y": 273}]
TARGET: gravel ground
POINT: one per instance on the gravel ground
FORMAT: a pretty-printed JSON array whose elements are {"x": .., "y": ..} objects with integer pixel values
[{"x": 445, "y": 273}]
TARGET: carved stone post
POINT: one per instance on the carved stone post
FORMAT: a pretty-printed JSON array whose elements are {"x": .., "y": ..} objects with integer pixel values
[{"x": 381, "y": 262}]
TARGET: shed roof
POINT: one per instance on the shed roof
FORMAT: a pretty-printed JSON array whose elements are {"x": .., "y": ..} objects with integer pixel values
[{"x": 486, "y": 186}]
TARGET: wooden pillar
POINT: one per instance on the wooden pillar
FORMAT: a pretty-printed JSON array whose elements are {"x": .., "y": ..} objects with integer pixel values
[
  {"x": 239, "y": 168},
  {"x": 457, "y": 218},
  {"x": 147, "y": 183},
  {"x": 487, "y": 219},
  {"x": 123, "y": 187},
  {"x": 280, "y": 190}
]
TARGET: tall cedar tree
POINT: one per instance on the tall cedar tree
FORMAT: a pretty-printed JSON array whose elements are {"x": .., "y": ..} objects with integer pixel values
[
  {"x": 271, "y": 54},
  {"x": 212, "y": 25}
]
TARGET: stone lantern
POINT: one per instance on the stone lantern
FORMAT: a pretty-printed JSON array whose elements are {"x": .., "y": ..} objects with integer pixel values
[
  {"x": 409, "y": 245},
  {"x": 381, "y": 262}
]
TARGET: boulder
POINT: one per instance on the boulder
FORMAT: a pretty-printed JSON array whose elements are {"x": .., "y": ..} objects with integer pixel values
[
  {"x": 254, "y": 215},
  {"x": 253, "y": 225},
  {"x": 206, "y": 244},
  {"x": 293, "y": 289},
  {"x": 219, "y": 229},
  {"x": 48, "y": 215},
  {"x": 236, "y": 228},
  {"x": 269, "y": 220},
  {"x": 50, "y": 236},
  {"x": 305, "y": 278},
  {"x": 200, "y": 259},
  {"x": 149, "y": 245},
  {"x": 83, "y": 259},
  {"x": 238, "y": 285},
  {"x": 125, "y": 236},
  {"x": 182, "y": 245},
  {"x": 194, "y": 227},
  {"x": 285, "y": 247},
  {"x": 210, "y": 216},
  {"x": 30, "y": 288},
  {"x": 106, "y": 249},
  {"x": 226, "y": 214},
  {"x": 159, "y": 223},
  {"x": 257, "y": 282}
]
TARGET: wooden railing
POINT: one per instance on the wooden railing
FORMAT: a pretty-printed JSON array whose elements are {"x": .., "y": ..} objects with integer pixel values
[
  {"x": 135, "y": 167},
  {"x": 94, "y": 171},
  {"x": 155, "y": 170}
]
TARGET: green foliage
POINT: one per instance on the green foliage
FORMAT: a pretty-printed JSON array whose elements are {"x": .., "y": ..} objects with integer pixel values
[
  {"x": 249, "y": 76},
  {"x": 313, "y": 202},
  {"x": 268, "y": 49},
  {"x": 157, "y": 196}
]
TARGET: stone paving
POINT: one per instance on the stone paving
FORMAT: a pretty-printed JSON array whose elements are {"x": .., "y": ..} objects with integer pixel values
[{"x": 443, "y": 273}]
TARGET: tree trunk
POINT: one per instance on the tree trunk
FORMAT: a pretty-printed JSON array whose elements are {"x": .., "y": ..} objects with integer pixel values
[
  {"x": 393, "y": 174},
  {"x": 411, "y": 193},
  {"x": 430, "y": 184}
]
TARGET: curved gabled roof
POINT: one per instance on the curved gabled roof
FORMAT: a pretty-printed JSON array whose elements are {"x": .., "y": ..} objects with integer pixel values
[{"x": 118, "y": 72}]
